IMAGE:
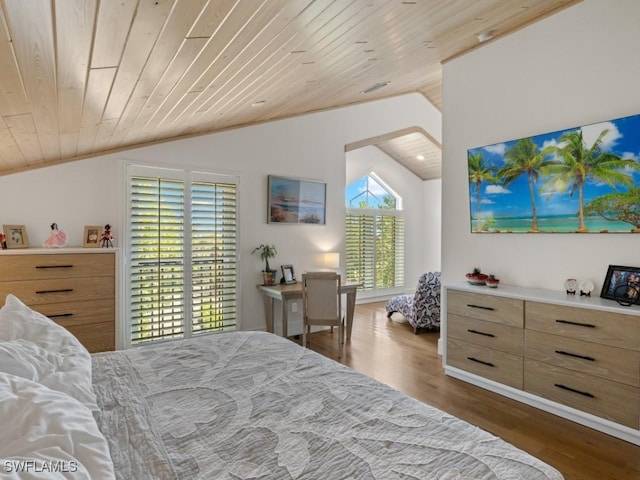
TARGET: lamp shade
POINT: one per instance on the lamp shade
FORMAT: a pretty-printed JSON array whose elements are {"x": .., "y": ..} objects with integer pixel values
[{"x": 331, "y": 260}]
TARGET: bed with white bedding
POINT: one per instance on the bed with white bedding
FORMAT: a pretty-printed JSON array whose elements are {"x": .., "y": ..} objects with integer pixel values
[{"x": 243, "y": 405}]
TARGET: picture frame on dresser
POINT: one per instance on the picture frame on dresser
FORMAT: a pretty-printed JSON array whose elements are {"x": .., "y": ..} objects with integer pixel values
[
  {"x": 622, "y": 284},
  {"x": 16, "y": 236},
  {"x": 91, "y": 237}
]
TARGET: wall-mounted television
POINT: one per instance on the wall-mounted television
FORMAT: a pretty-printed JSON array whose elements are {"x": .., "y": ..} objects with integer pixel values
[{"x": 579, "y": 180}]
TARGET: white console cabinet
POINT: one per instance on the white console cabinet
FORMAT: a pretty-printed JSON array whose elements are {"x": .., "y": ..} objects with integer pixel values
[{"x": 577, "y": 357}]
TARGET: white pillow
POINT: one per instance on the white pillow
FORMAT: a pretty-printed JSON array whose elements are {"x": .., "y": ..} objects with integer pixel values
[
  {"x": 61, "y": 361},
  {"x": 48, "y": 431},
  {"x": 65, "y": 373}
]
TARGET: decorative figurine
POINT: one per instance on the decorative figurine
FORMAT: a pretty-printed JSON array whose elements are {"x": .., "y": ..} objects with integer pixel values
[
  {"x": 571, "y": 285},
  {"x": 107, "y": 239},
  {"x": 57, "y": 238}
]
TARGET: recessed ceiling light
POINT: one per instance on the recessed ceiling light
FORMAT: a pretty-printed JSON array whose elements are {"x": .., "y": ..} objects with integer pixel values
[
  {"x": 420, "y": 157},
  {"x": 484, "y": 36},
  {"x": 259, "y": 103},
  {"x": 376, "y": 86}
]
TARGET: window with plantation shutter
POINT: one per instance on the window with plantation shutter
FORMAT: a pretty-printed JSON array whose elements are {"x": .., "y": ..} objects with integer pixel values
[
  {"x": 181, "y": 254},
  {"x": 374, "y": 236}
]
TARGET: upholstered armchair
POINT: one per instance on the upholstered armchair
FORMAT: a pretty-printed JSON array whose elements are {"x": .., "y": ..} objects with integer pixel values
[{"x": 422, "y": 309}]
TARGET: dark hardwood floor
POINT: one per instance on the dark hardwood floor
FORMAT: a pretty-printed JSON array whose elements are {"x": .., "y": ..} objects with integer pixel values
[{"x": 390, "y": 352}]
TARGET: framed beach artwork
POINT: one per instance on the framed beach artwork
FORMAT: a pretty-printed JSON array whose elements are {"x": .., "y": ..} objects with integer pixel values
[
  {"x": 296, "y": 201},
  {"x": 579, "y": 180}
]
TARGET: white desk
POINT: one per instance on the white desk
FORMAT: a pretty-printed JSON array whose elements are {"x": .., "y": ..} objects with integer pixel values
[{"x": 284, "y": 293}]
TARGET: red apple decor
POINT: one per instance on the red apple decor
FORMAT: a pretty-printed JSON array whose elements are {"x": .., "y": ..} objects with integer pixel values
[{"x": 477, "y": 277}]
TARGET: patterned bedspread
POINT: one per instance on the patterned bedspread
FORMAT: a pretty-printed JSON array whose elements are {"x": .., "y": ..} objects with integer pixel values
[{"x": 250, "y": 405}]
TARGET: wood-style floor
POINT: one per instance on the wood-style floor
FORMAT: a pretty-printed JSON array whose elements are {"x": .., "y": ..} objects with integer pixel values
[{"x": 390, "y": 352}]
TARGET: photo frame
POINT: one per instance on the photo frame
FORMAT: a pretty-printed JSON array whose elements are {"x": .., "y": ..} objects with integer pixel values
[
  {"x": 288, "y": 276},
  {"x": 91, "y": 236},
  {"x": 295, "y": 201},
  {"x": 16, "y": 236},
  {"x": 622, "y": 284}
]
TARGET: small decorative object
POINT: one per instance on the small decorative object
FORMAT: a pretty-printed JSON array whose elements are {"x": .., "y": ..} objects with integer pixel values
[
  {"x": 106, "y": 240},
  {"x": 91, "y": 237},
  {"x": 622, "y": 284},
  {"x": 492, "y": 281},
  {"x": 16, "y": 236},
  {"x": 3, "y": 241},
  {"x": 477, "y": 277},
  {"x": 57, "y": 238},
  {"x": 288, "y": 277},
  {"x": 571, "y": 285},
  {"x": 266, "y": 252},
  {"x": 586, "y": 287}
]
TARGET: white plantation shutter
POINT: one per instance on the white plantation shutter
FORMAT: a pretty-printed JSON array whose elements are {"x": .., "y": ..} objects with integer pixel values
[
  {"x": 181, "y": 254},
  {"x": 374, "y": 247}
]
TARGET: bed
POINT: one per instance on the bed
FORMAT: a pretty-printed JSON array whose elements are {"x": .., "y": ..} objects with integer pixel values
[{"x": 251, "y": 405}]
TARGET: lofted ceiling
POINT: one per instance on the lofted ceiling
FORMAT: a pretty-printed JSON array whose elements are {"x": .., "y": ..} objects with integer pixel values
[{"x": 84, "y": 77}]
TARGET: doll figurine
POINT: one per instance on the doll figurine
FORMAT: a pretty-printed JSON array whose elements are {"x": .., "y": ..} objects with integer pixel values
[
  {"x": 57, "y": 238},
  {"x": 107, "y": 239}
]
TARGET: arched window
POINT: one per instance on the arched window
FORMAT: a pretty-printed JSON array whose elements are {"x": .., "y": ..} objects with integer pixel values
[{"x": 374, "y": 228}]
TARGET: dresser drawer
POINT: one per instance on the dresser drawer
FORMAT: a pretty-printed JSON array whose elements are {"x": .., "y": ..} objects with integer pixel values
[
  {"x": 614, "y": 329},
  {"x": 69, "y": 314},
  {"x": 96, "y": 337},
  {"x": 606, "y": 362},
  {"x": 507, "y": 311},
  {"x": 606, "y": 399},
  {"x": 488, "y": 334},
  {"x": 48, "y": 266},
  {"x": 493, "y": 364},
  {"x": 38, "y": 292}
]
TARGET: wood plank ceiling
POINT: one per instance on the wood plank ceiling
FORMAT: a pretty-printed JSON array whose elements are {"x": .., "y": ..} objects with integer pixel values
[{"x": 84, "y": 77}]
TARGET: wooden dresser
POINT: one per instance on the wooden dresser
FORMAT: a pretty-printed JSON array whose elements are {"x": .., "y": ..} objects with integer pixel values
[
  {"x": 74, "y": 287},
  {"x": 577, "y": 357}
]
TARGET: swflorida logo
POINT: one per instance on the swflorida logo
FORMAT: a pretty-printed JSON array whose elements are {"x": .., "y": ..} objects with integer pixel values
[{"x": 40, "y": 466}]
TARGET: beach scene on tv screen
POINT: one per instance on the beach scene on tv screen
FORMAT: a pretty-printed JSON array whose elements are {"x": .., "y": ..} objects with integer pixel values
[{"x": 579, "y": 180}]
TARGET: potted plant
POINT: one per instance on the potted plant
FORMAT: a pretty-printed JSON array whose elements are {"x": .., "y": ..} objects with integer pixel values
[
  {"x": 266, "y": 252},
  {"x": 477, "y": 277},
  {"x": 492, "y": 281}
]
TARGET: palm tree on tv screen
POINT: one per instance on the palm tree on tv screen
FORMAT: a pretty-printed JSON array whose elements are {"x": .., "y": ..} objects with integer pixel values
[
  {"x": 479, "y": 172},
  {"x": 578, "y": 163},
  {"x": 524, "y": 158}
]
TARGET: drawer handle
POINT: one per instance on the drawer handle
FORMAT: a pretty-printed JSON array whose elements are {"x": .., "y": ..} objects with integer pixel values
[
  {"x": 564, "y": 387},
  {"x": 57, "y": 315},
  {"x": 62, "y": 290},
  {"x": 54, "y": 266},
  {"x": 578, "y": 324},
  {"x": 480, "y": 306},
  {"x": 481, "y": 361},
  {"x": 481, "y": 333},
  {"x": 569, "y": 354}
]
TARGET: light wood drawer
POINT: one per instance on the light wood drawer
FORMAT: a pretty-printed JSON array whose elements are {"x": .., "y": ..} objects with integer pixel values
[
  {"x": 606, "y": 362},
  {"x": 96, "y": 337},
  {"x": 502, "y": 367},
  {"x": 606, "y": 399},
  {"x": 47, "y": 266},
  {"x": 69, "y": 314},
  {"x": 39, "y": 292},
  {"x": 489, "y": 334},
  {"x": 614, "y": 329},
  {"x": 507, "y": 311}
]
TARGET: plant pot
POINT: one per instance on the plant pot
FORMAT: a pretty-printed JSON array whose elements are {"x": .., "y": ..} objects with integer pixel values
[
  {"x": 493, "y": 283},
  {"x": 476, "y": 278},
  {"x": 269, "y": 277}
]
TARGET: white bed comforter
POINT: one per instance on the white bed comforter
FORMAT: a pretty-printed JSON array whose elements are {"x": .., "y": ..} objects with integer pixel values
[{"x": 250, "y": 405}]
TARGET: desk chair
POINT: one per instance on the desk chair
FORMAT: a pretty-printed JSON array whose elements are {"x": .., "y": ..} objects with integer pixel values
[{"x": 321, "y": 303}]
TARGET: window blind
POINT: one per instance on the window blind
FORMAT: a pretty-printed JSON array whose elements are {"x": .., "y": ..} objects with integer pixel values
[
  {"x": 182, "y": 257},
  {"x": 375, "y": 249}
]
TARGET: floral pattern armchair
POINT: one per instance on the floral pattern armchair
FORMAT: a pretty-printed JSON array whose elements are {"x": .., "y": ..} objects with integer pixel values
[{"x": 422, "y": 309}]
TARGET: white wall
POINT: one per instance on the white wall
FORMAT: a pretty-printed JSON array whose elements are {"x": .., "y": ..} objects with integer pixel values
[
  {"x": 91, "y": 192},
  {"x": 577, "y": 67},
  {"x": 421, "y": 205}
]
